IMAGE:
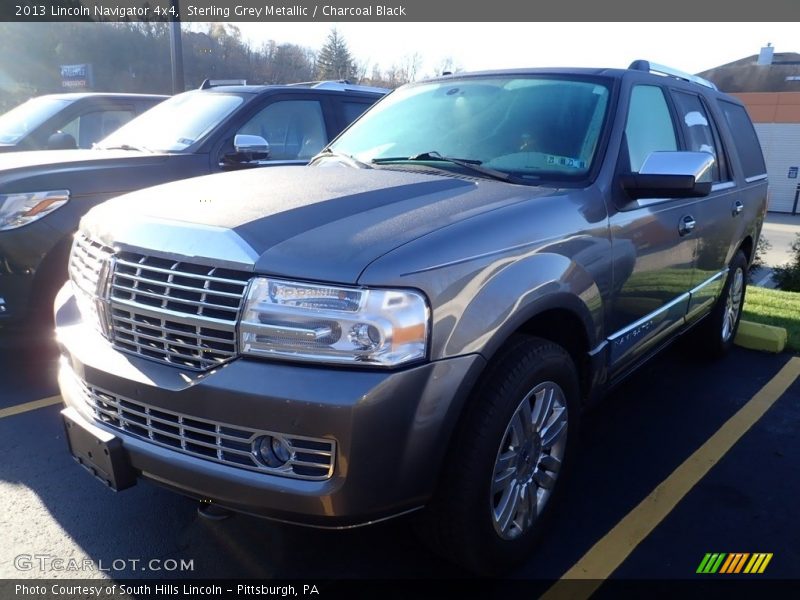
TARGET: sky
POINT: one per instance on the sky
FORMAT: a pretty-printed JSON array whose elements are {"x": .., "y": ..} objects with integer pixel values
[{"x": 690, "y": 47}]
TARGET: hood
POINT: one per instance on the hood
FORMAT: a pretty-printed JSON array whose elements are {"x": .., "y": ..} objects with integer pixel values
[
  {"x": 320, "y": 223},
  {"x": 46, "y": 158},
  {"x": 83, "y": 172}
]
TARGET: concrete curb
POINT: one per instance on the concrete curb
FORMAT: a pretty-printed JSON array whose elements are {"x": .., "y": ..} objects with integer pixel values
[{"x": 756, "y": 336}]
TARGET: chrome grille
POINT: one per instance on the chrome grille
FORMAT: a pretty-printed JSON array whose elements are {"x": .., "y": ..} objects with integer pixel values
[
  {"x": 84, "y": 263},
  {"x": 310, "y": 458},
  {"x": 176, "y": 312}
]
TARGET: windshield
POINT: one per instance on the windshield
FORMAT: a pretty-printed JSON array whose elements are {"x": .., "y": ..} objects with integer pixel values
[
  {"x": 176, "y": 123},
  {"x": 532, "y": 127},
  {"x": 19, "y": 121}
]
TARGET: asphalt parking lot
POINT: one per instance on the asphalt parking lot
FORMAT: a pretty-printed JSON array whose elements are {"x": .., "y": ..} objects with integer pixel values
[{"x": 634, "y": 442}]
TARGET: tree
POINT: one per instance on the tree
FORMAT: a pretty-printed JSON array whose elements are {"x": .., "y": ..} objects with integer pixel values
[{"x": 334, "y": 60}]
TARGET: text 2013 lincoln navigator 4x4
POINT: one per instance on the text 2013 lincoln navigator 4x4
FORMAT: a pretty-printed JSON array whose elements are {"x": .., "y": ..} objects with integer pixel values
[{"x": 415, "y": 321}]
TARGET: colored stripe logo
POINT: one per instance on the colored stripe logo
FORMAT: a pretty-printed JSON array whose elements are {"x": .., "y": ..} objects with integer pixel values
[{"x": 735, "y": 562}]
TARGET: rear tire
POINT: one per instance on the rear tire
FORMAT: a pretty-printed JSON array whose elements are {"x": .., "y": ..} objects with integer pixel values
[
  {"x": 509, "y": 459},
  {"x": 718, "y": 330}
]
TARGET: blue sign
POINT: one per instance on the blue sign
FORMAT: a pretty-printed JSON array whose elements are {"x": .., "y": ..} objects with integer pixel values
[{"x": 77, "y": 76}]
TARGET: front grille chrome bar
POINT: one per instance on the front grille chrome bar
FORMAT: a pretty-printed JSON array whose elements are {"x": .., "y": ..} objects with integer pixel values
[{"x": 175, "y": 312}]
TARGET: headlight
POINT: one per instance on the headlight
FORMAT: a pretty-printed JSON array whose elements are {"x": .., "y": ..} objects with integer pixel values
[
  {"x": 17, "y": 210},
  {"x": 321, "y": 323}
]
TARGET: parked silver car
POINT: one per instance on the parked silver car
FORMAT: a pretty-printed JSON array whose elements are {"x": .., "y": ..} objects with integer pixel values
[{"x": 415, "y": 321}]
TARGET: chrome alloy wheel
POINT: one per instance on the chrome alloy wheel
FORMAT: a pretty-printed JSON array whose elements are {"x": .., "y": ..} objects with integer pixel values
[
  {"x": 528, "y": 460},
  {"x": 733, "y": 304}
]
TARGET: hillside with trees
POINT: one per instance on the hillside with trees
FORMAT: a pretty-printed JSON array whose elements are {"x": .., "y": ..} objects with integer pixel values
[{"x": 135, "y": 57}]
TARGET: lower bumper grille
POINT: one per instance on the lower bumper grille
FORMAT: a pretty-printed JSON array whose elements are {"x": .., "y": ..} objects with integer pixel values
[{"x": 310, "y": 458}]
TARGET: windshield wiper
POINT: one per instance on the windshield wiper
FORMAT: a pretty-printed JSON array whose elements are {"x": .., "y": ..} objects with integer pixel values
[
  {"x": 328, "y": 153},
  {"x": 130, "y": 147},
  {"x": 467, "y": 163}
]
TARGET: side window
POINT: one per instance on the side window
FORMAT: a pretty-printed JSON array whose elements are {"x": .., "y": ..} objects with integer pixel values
[
  {"x": 649, "y": 127},
  {"x": 697, "y": 128},
  {"x": 353, "y": 110},
  {"x": 294, "y": 129},
  {"x": 744, "y": 139},
  {"x": 94, "y": 126}
]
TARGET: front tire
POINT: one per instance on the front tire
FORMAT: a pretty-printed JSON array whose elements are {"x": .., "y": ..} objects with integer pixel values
[{"x": 507, "y": 464}]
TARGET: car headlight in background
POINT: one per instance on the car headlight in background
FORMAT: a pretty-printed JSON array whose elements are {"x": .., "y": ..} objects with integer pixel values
[
  {"x": 18, "y": 210},
  {"x": 331, "y": 324}
]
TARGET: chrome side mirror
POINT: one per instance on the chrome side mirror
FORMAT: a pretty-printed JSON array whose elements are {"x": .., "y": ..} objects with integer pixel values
[
  {"x": 245, "y": 144},
  {"x": 671, "y": 175}
]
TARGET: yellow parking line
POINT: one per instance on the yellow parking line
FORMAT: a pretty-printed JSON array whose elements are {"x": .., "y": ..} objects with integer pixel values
[
  {"x": 22, "y": 408},
  {"x": 611, "y": 550}
]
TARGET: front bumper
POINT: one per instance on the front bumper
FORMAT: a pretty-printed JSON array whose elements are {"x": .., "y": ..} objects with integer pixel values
[{"x": 391, "y": 427}]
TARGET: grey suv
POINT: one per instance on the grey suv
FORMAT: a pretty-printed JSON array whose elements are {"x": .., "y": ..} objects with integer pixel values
[{"x": 415, "y": 321}]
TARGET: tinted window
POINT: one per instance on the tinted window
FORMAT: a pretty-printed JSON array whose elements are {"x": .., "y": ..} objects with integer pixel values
[
  {"x": 649, "y": 127},
  {"x": 294, "y": 129},
  {"x": 696, "y": 126},
  {"x": 745, "y": 139}
]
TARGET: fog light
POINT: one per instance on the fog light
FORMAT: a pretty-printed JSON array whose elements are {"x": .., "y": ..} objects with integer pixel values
[
  {"x": 2, "y": 305},
  {"x": 273, "y": 451}
]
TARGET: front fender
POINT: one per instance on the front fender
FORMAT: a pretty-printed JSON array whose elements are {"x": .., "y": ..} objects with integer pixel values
[{"x": 517, "y": 292}]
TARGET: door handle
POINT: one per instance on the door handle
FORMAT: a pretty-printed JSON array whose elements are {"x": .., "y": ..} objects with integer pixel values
[
  {"x": 687, "y": 225},
  {"x": 738, "y": 207}
]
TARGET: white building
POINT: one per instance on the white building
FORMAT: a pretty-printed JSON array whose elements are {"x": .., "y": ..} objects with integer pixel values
[{"x": 769, "y": 85}]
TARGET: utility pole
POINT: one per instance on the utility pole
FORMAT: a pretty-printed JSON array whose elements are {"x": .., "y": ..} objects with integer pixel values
[{"x": 176, "y": 48}]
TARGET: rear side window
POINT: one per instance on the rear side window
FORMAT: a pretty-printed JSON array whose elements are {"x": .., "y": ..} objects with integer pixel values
[
  {"x": 649, "y": 127},
  {"x": 745, "y": 139},
  {"x": 697, "y": 127}
]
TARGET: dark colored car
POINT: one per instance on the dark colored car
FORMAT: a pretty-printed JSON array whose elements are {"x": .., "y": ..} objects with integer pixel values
[
  {"x": 415, "y": 321},
  {"x": 43, "y": 195},
  {"x": 69, "y": 121}
]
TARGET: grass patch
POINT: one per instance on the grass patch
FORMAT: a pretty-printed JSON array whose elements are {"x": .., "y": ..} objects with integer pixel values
[{"x": 774, "y": 307}]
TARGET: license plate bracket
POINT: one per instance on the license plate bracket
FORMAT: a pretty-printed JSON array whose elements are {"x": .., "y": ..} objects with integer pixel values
[{"x": 98, "y": 451}]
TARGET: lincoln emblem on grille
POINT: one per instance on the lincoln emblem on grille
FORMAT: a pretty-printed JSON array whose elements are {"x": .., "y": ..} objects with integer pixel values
[{"x": 105, "y": 277}]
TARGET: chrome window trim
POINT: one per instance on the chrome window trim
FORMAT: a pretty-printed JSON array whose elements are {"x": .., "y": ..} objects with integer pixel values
[{"x": 755, "y": 178}]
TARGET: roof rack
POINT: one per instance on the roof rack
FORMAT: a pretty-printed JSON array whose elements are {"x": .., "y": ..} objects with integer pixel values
[
  {"x": 649, "y": 67},
  {"x": 209, "y": 83},
  {"x": 341, "y": 85}
]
